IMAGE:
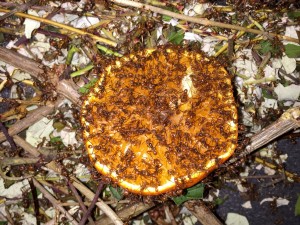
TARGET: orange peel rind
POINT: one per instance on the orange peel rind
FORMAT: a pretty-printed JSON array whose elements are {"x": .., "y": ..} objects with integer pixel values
[{"x": 160, "y": 120}]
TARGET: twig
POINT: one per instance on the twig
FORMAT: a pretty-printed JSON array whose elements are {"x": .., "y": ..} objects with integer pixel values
[
  {"x": 289, "y": 120},
  {"x": 63, "y": 26},
  {"x": 170, "y": 215},
  {"x": 202, "y": 212},
  {"x": 127, "y": 213},
  {"x": 81, "y": 203},
  {"x": 54, "y": 202},
  {"x": 31, "y": 118},
  {"x": 19, "y": 61},
  {"x": 35, "y": 202},
  {"x": 262, "y": 65},
  {"x": 3, "y": 175},
  {"x": 56, "y": 188},
  {"x": 19, "y": 8},
  {"x": 105, "y": 208},
  {"x": 10, "y": 161},
  {"x": 84, "y": 190},
  {"x": 202, "y": 21},
  {"x": 274, "y": 167},
  {"x": 92, "y": 205},
  {"x": 26, "y": 146},
  {"x": 8, "y": 137},
  {"x": 65, "y": 87},
  {"x": 240, "y": 34},
  {"x": 68, "y": 89},
  {"x": 8, "y": 215}
]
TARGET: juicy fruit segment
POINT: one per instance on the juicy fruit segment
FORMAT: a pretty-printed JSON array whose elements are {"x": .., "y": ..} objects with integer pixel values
[{"x": 160, "y": 120}]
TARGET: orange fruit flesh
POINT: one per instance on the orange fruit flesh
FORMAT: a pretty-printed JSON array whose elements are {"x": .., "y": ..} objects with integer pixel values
[{"x": 160, "y": 120}]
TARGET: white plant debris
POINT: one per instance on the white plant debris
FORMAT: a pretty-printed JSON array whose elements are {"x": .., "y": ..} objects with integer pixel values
[
  {"x": 269, "y": 171},
  {"x": 236, "y": 219},
  {"x": 189, "y": 220},
  {"x": 38, "y": 131},
  {"x": 13, "y": 191},
  {"x": 289, "y": 64},
  {"x": 26, "y": 218},
  {"x": 247, "y": 205},
  {"x": 84, "y": 22},
  {"x": 290, "y": 92},
  {"x": 82, "y": 172},
  {"x": 31, "y": 25},
  {"x": 279, "y": 201},
  {"x": 67, "y": 136}
]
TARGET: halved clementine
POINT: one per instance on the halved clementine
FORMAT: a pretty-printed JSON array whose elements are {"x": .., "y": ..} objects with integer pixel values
[{"x": 160, "y": 120}]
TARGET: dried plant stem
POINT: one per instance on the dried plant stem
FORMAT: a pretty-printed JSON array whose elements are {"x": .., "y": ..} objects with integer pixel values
[
  {"x": 225, "y": 46},
  {"x": 3, "y": 176},
  {"x": 92, "y": 205},
  {"x": 202, "y": 21},
  {"x": 84, "y": 190},
  {"x": 170, "y": 215},
  {"x": 19, "y": 61},
  {"x": 13, "y": 161},
  {"x": 8, "y": 137},
  {"x": 68, "y": 89},
  {"x": 81, "y": 203},
  {"x": 105, "y": 208},
  {"x": 62, "y": 189},
  {"x": 31, "y": 118},
  {"x": 19, "y": 8},
  {"x": 288, "y": 121},
  {"x": 63, "y": 26},
  {"x": 202, "y": 212},
  {"x": 8, "y": 215},
  {"x": 127, "y": 213},
  {"x": 65, "y": 87},
  {"x": 26, "y": 146},
  {"x": 54, "y": 202},
  {"x": 35, "y": 202},
  {"x": 275, "y": 167}
]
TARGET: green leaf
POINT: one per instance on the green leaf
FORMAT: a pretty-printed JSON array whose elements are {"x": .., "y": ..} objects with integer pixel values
[
  {"x": 267, "y": 94},
  {"x": 58, "y": 126},
  {"x": 108, "y": 51},
  {"x": 176, "y": 37},
  {"x": 82, "y": 71},
  {"x": 195, "y": 192},
  {"x": 166, "y": 18},
  {"x": 292, "y": 51},
  {"x": 219, "y": 201},
  {"x": 297, "y": 206},
  {"x": 86, "y": 88},
  {"x": 54, "y": 140},
  {"x": 52, "y": 29},
  {"x": 3, "y": 222},
  {"x": 116, "y": 192},
  {"x": 267, "y": 46},
  {"x": 293, "y": 14}
]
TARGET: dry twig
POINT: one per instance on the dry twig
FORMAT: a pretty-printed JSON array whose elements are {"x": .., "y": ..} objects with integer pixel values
[
  {"x": 202, "y": 212},
  {"x": 63, "y": 26},
  {"x": 202, "y": 21},
  {"x": 54, "y": 202}
]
